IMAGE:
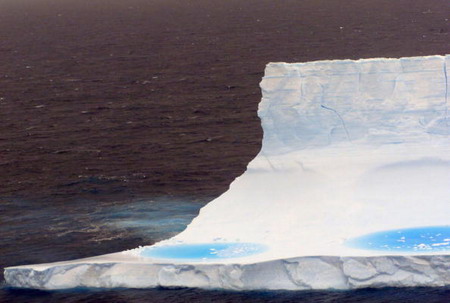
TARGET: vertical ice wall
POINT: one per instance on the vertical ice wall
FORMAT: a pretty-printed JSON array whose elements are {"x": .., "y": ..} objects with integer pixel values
[
  {"x": 371, "y": 101},
  {"x": 349, "y": 147}
]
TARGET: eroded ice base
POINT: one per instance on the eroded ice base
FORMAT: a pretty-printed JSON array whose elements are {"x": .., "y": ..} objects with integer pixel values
[
  {"x": 326, "y": 272},
  {"x": 353, "y": 153}
]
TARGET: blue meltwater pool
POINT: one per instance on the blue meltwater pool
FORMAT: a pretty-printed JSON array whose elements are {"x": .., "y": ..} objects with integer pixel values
[
  {"x": 204, "y": 251},
  {"x": 417, "y": 239}
]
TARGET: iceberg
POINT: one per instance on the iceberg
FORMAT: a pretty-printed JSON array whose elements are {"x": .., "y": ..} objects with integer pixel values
[{"x": 351, "y": 189}]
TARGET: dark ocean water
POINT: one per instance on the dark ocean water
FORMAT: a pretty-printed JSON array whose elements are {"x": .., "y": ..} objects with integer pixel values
[
  {"x": 196, "y": 295},
  {"x": 33, "y": 233}
]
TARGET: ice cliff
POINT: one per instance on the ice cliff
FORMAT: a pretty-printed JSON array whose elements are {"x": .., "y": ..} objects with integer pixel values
[{"x": 350, "y": 189}]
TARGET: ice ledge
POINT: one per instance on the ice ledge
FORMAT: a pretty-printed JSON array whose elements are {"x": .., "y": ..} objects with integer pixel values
[{"x": 302, "y": 273}]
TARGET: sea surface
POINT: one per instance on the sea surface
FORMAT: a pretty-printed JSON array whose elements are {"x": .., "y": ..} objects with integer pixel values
[{"x": 45, "y": 233}]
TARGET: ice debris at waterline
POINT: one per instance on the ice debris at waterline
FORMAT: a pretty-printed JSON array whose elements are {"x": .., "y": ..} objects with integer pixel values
[{"x": 352, "y": 152}]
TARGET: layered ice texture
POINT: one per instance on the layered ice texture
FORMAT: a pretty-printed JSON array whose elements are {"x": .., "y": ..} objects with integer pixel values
[{"x": 350, "y": 189}]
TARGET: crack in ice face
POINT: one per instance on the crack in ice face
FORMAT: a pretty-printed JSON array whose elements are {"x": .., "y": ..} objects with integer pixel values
[
  {"x": 417, "y": 239},
  {"x": 203, "y": 251}
]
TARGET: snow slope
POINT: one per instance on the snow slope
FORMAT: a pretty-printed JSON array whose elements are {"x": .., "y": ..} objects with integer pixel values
[{"x": 350, "y": 189}]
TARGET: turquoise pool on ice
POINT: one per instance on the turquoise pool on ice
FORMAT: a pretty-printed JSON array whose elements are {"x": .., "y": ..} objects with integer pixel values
[
  {"x": 417, "y": 239},
  {"x": 204, "y": 251}
]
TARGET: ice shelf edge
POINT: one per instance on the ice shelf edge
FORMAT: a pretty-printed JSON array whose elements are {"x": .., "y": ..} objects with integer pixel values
[{"x": 302, "y": 273}]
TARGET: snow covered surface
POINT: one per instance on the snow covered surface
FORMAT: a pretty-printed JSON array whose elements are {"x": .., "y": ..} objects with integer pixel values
[{"x": 354, "y": 153}]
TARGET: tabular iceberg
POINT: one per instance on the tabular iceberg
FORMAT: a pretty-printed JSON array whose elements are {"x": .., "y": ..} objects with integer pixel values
[{"x": 350, "y": 189}]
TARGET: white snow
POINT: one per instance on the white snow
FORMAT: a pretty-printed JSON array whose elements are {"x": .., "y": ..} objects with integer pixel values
[{"x": 349, "y": 148}]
